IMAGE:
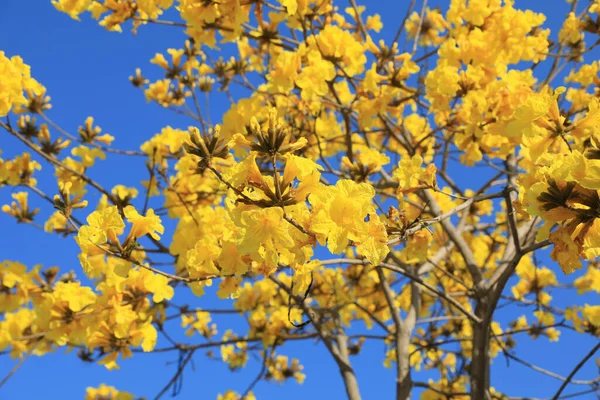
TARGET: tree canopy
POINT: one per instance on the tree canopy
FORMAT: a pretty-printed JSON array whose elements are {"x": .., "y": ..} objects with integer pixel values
[{"x": 332, "y": 204}]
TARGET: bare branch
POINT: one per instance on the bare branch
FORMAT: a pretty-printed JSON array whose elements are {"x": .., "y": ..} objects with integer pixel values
[{"x": 577, "y": 368}]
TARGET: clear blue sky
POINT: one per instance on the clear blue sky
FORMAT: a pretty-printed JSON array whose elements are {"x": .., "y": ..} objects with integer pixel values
[{"x": 86, "y": 69}]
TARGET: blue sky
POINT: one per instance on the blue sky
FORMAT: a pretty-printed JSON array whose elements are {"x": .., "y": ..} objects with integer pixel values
[{"x": 86, "y": 69}]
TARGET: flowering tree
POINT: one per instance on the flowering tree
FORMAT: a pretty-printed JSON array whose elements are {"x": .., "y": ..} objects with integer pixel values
[{"x": 330, "y": 202}]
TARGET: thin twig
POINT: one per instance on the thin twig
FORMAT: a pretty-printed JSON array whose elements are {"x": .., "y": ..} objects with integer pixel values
[
  {"x": 577, "y": 368},
  {"x": 17, "y": 366}
]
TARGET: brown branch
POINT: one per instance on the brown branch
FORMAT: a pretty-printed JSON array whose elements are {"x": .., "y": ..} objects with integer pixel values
[
  {"x": 577, "y": 368},
  {"x": 403, "y": 23},
  {"x": 419, "y": 26},
  {"x": 96, "y": 145},
  {"x": 442, "y": 217},
  {"x": 429, "y": 287},
  {"x": 57, "y": 163},
  {"x": 461, "y": 245},
  {"x": 402, "y": 340},
  {"x": 177, "y": 375},
  {"x": 339, "y": 352},
  {"x": 261, "y": 374},
  {"x": 18, "y": 365},
  {"x": 359, "y": 23}
]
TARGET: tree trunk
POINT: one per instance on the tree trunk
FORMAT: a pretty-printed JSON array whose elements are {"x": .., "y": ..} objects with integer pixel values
[
  {"x": 403, "y": 378},
  {"x": 480, "y": 364},
  {"x": 351, "y": 384},
  {"x": 346, "y": 369}
]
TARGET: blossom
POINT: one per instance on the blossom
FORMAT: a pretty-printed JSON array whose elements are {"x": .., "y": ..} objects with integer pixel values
[
  {"x": 107, "y": 392},
  {"x": 72, "y": 7},
  {"x": 411, "y": 175},
  {"x": 16, "y": 79},
  {"x": 143, "y": 225},
  {"x": 339, "y": 46},
  {"x": 340, "y": 212}
]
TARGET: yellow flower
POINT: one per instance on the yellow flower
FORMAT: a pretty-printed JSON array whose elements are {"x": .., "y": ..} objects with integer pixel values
[
  {"x": 107, "y": 393},
  {"x": 88, "y": 155},
  {"x": 303, "y": 275},
  {"x": 166, "y": 143},
  {"x": 341, "y": 47},
  {"x": 571, "y": 31},
  {"x": 72, "y": 7},
  {"x": 108, "y": 222},
  {"x": 90, "y": 133},
  {"x": 411, "y": 175},
  {"x": 565, "y": 251},
  {"x": 417, "y": 247},
  {"x": 374, "y": 245},
  {"x": 14, "y": 326},
  {"x": 373, "y": 23},
  {"x": 284, "y": 71},
  {"x": 441, "y": 86},
  {"x": 76, "y": 295},
  {"x": 199, "y": 322},
  {"x": 266, "y": 236},
  {"x": 159, "y": 91},
  {"x": 533, "y": 280},
  {"x": 589, "y": 281},
  {"x": 19, "y": 170},
  {"x": 280, "y": 369},
  {"x": 15, "y": 79},
  {"x": 230, "y": 394},
  {"x": 314, "y": 77},
  {"x": 148, "y": 225},
  {"x": 20, "y": 208},
  {"x": 229, "y": 288},
  {"x": 340, "y": 213},
  {"x": 124, "y": 193},
  {"x": 592, "y": 314},
  {"x": 102, "y": 225},
  {"x": 430, "y": 29},
  {"x": 117, "y": 336},
  {"x": 158, "y": 285}
]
